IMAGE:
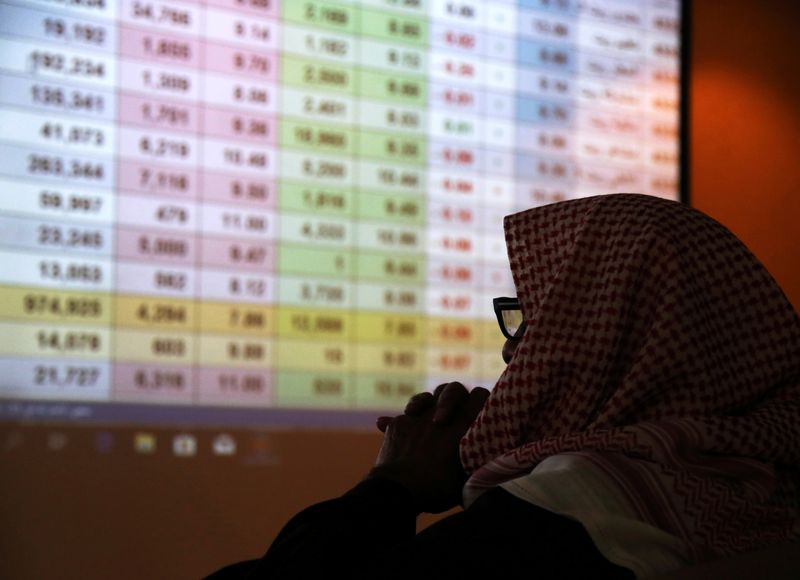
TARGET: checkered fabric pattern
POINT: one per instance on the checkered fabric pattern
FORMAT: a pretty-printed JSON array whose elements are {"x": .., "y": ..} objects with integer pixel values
[{"x": 658, "y": 347}]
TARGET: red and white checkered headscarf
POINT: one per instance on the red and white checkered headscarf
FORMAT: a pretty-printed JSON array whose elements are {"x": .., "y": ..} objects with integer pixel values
[{"x": 658, "y": 347}]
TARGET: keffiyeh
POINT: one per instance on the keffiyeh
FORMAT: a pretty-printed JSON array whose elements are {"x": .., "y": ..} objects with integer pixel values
[{"x": 659, "y": 348}]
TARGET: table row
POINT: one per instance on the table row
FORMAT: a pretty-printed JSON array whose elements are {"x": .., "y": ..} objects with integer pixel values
[
  {"x": 171, "y": 110},
  {"x": 454, "y": 55},
  {"x": 137, "y": 76},
  {"x": 363, "y": 354},
  {"x": 466, "y": 141},
  {"x": 169, "y": 233},
  {"x": 33, "y": 378},
  {"x": 475, "y": 28},
  {"x": 630, "y": 165},
  {"x": 237, "y": 281},
  {"x": 221, "y": 207},
  {"x": 88, "y": 322}
]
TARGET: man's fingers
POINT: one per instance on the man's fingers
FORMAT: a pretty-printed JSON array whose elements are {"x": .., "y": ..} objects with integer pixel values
[
  {"x": 382, "y": 423},
  {"x": 419, "y": 403},
  {"x": 450, "y": 398},
  {"x": 438, "y": 390},
  {"x": 475, "y": 402}
]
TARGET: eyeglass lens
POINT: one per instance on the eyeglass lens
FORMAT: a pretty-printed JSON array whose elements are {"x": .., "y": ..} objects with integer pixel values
[{"x": 512, "y": 320}]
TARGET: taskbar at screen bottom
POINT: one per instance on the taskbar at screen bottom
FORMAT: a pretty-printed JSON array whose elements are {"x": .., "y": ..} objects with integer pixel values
[{"x": 94, "y": 413}]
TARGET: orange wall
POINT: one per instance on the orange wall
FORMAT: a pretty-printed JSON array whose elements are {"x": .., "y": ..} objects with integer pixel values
[
  {"x": 745, "y": 127},
  {"x": 79, "y": 514}
]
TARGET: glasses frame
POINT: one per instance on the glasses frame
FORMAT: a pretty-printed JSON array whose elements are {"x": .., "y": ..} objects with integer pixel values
[{"x": 502, "y": 303}]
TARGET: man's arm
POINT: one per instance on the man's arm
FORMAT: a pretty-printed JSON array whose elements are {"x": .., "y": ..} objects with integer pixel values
[
  {"x": 341, "y": 536},
  {"x": 417, "y": 470}
]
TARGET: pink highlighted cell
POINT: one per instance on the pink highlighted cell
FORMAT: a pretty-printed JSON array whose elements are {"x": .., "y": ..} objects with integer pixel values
[
  {"x": 151, "y": 246},
  {"x": 238, "y": 254},
  {"x": 234, "y": 286},
  {"x": 230, "y": 188},
  {"x": 155, "y": 179},
  {"x": 175, "y": 49},
  {"x": 265, "y": 8},
  {"x": 155, "y": 279},
  {"x": 240, "y": 126},
  {"x": 148, "y": 146},
  {"x": 153, "y": 383},
  {"x": 235, "y": 387},
  {"x": 237, "y": 28},
  {"x": 239, "y": 93},
  {"x": 158, "y": 113},
  {"x": 167, "y": 17},
  {"x": 225, "y": 221},
  {"x": 156, "y": 213},
  {"x": 253, "y": 64},
  {"x": 152, "y": 78}
]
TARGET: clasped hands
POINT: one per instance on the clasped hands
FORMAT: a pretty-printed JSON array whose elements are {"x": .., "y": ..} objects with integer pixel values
[{"x": 420, "y": 447}]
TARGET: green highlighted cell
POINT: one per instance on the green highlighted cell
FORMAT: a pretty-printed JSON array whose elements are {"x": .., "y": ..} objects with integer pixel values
[
  {"x": 319, "y": 168},
  {"x": 303, "y": 198},
  {"x": 322, "y": 389},
  {"x": 392, "y": 177},
  {"x": 379, "y": 391},
  {"x": 394, "y": 27},
  {"x": 393, "y": 147},
  {"x": 382, "y": 297},
  {"x": 390, "y": 329},
  {"x": 390, "y": 359},
  {"x": 317, "y": 323},
  {"x": 318, "y": 262},
  {"x": 328, "y": 15},
  {"x": 395, "y": 57},
  {"x": 407, "y": 209},
  {"x": 391, "y": 237},
  {"x": 316, "y": 137},
  {"x": 391, "y": 268},
  {"x": 315, "y": 293},
  {"x": 320, "y": 75},
  {"x": 398, "y": 88},
  {"x": 316, "y": 230}
]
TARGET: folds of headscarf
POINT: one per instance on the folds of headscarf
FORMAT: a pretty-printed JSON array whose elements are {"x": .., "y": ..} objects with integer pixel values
[{"x": 658, "y": 347}]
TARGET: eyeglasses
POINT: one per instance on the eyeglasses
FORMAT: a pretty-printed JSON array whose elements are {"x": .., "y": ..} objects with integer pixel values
[{"x": 509, "y": 317}]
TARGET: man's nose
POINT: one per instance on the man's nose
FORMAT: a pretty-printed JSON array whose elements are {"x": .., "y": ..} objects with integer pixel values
[{"x": 509, "y": 347}]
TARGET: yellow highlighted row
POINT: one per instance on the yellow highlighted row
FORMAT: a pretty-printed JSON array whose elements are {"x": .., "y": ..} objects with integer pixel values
[
  {"x": 184, "y": 348},
  {"x": 156, "y": 313}
]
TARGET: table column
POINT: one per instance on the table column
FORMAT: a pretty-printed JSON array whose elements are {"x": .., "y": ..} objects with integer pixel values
[
  {"x": 499, "y": 192},
  {"x": 611, "y": 99},
  {"x": 392, "y": 178},
  {"x": 546, "y": 168},
  {"x": 239, "y": 196},
  {"x": 662, "y": 68},
  {"x": 57, "y": 142},
  {"x": 317, "y": 232},
  {"x": 157, "y": 202},
  {"x": 456, "y": 189}
]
